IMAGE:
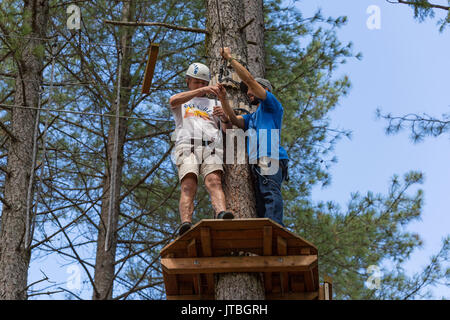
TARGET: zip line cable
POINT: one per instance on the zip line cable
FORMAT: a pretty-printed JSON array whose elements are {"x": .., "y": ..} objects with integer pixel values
[
  {"x": 67, "y": 84},
  {"x": 10, "y": 106},
  {"x": 52, "y": 39}
]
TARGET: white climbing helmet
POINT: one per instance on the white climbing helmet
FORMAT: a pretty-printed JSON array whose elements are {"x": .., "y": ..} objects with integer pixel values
[{"x": 198, "y": 71}]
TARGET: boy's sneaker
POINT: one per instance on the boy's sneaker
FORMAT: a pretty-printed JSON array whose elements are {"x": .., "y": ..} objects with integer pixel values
[
  {"x": 184, "y": 227},
  {"x": 225, "y": 215}
]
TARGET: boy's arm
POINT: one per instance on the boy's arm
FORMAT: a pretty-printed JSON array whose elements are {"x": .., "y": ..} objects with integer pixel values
[{"x": 183, "y": 97}]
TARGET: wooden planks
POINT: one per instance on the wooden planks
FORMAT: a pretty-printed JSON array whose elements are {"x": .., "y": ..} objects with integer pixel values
[
  {"x": 238, "y": 264},
  {"x": 288, "y": 262},
  {"x": 170, "y": 281},
  {"x": 244, "y": 233},
  {"x": 192, "y": 252},
  {"x": 267, "y": 251},
  {"x": 150, "y": 68},
  {"x": 272, "y": 296},
  {"x": 282, "y": 251},
  {"x": 205, "y": 236}
]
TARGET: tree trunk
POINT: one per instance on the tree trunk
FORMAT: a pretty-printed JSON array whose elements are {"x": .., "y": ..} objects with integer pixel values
[
  {"x": 255, "y": 36},
  {"x": 238, "y": 185},
  {"x": 14, "y": 252},
  {"x": 107, "y": 235}
]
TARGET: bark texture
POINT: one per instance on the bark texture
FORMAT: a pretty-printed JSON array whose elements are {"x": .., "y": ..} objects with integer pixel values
[
  {"x": 14, "y": 252},
  {"x": 238, "y": 186},
  {"x": 106, "y": 258},
  {"x": 255, "y": 37}
]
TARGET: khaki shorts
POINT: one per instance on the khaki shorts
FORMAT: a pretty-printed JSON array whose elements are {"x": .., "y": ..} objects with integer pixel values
[{"x": 202, "y": 161}]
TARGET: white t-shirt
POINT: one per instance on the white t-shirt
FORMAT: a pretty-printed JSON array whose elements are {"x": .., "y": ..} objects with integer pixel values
[{"x": 194, "y": 119}]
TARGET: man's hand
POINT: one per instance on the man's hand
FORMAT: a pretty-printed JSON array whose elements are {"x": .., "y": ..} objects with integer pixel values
[
  {"x": 226, "y": 53},
  {"x": 222, "y": 92},
  {"x": 218, "y": 112}
]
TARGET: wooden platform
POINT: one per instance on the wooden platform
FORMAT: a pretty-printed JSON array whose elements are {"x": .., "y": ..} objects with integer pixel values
[{"x": 288, "y": 263}]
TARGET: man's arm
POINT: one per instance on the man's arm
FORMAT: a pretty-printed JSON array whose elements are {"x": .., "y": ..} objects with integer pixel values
[
  {"x": 244, "y": 74},
  {"x": 183, "y": 97},
  {"x": 236, "y": 120}
]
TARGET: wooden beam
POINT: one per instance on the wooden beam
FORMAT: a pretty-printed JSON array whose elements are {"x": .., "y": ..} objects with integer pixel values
[
  {"x": 191, "y": 297},
  {"x": 267, "y": 251},
  {"x": 192, "y": 252},
  {"x": 273, "y": 296},
  {"x": 170, "y": 281},
  {"x": 205, "y": 237},
  {"x": 150, "y": 68},
  {"x": 282, "y": 251},
  {"x": 328, "y": 288},
  {"x": 294, "y": 296},
  {"x": 309, "y": 281},
  {"x": 210, "y": 265}
]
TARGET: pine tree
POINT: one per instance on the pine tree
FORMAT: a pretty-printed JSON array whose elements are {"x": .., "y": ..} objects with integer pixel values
[{"x": 16, "y": 223}]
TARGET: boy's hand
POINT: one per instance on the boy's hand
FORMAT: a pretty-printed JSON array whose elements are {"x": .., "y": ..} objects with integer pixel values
[{"x": 213, "y": 90}]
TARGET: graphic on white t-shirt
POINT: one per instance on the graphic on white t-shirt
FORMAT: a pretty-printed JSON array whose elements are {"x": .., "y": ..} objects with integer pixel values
[{"x": 194, "y": 119}]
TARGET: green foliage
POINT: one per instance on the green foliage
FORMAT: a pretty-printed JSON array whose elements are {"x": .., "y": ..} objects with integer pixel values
[
  {"x": 424, "y": 9},
  {"x": 302, "y": 59},
  {"x": 370, "y": 231}
]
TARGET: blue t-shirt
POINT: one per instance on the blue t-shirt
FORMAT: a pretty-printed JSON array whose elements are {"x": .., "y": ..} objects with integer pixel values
[{"x": 264, "y": 130}]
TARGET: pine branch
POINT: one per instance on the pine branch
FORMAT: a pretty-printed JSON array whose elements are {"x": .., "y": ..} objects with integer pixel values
[
  {"x": 428, "y": 5},
  {"x": 155, "y": 24}
]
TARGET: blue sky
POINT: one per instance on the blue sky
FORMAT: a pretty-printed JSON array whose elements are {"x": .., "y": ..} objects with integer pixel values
[{"x": 405, "y": 69}]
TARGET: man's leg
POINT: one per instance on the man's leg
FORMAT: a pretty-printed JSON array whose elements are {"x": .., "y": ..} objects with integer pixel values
[
  {"x": 270, "y": 191},
  {"x": 213, "y": 184},
  {"x": 259, "y": 198},
  {"x": 188, "y": 192}
]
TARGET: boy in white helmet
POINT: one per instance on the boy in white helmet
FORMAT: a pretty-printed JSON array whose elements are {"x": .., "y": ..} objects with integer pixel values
[{"x": 198, "y": 146}]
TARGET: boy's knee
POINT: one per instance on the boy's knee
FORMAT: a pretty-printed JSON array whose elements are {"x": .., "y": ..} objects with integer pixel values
[{"x": 213, "y": 181}]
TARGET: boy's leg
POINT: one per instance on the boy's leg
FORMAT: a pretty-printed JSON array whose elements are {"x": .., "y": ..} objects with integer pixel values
[
  {"x": 213, "y": 184},
  {"x": 212, "y": 169},
  {"x": 187, "y": 196},
  {"x": 188, "y": 170}
]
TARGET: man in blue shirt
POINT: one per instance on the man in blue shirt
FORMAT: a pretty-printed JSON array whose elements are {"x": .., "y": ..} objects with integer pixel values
[{"x": 268, "y": 159}]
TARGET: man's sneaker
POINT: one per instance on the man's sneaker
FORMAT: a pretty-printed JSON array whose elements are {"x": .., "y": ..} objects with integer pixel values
[
  {"x": 185, "y": 226},
  {"x": 225, "y": 215}
]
